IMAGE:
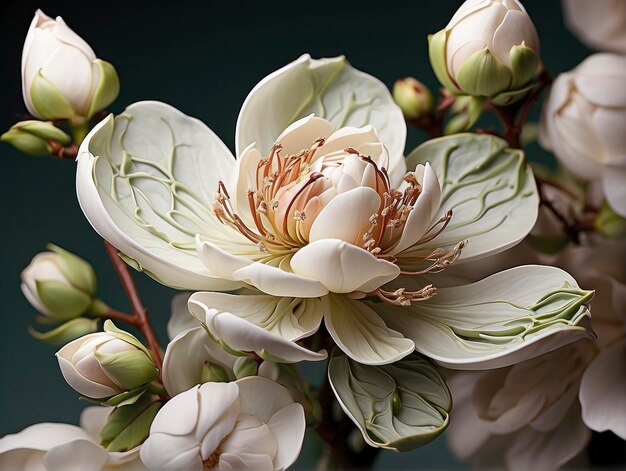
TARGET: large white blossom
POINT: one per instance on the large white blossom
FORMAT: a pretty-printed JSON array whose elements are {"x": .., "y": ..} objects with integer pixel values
[
  {"x": 54, "y": 446},
  {"x": 600, "y": 24},
  {"x": 318, "y": 218},
  {"x": 584, "y": 120},
  {"x": 249, "y": 424}
]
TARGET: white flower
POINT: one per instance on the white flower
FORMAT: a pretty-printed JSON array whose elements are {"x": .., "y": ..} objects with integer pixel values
[
  {"x": 600, "y": 24},
  {"x": 522, "y": 417},
  {"x": 488, "y": 47},
  {"x": 59, "y": 284},
  {"x": 105, "y": 364},
  {"x": 584, "y": 121},
  {"x": 54, "y": 446},
  {"x": 61, "y": 76},
  {"x": 249, "y": 424},
  {"x": 318, "y": 217}
]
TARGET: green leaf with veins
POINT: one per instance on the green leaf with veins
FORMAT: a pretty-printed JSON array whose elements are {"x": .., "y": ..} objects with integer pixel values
[{"x": 400, "y": 406}]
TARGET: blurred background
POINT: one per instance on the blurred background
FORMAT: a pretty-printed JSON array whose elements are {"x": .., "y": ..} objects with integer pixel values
[{"x": 203, "y": 58}]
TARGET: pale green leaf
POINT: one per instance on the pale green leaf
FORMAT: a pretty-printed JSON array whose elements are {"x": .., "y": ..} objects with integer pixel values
[
  {"x": 489, "y": 188},
  {"x": 400, "y": 406}
]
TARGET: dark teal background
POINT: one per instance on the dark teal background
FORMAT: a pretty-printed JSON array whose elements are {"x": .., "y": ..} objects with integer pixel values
[{"x": 203, "y": 58}]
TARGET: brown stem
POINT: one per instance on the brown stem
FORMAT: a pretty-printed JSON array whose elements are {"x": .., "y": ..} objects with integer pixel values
[
  {"x": 140, "y": 314},
  {"x": 512, "y": 131},
  {"x": 64, "y": 153},
  {"x": 119, "y": 316}
]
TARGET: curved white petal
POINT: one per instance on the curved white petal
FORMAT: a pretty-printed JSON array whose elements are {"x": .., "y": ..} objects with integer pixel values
[
  {"x": 180, "y": 318},
  {"x": 269, "y": 279},
  {"x": 79, "y": 455},
  {"x": 186, "y": 355},
  {"x": 602, "y": 391},
  {"x": 346, "y": 216},
  {"x": 342, "y": 267},
  {"x": 506, "y": 318},
  {"x": 288, "y": 426},
  {"x": 613, "y": 184},
  {"x": 362, "y": 334},
  {"x": 331, "y": 89},
  {"x": 146, "y": 180},
  {"x": 290, "y": 318},
  {"x": 302, "y": 133},
  {"x": 421, "y": 216},
  {"x": 239, "y": 334},
  {"x": 262, "y": 397}
]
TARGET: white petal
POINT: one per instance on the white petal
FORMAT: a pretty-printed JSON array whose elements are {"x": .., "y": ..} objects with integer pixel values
[
  {"x": 245, "y": 461},
  {"x": 362, "y": 334},
  {"x": 78, "y": 455},
  {"x": 329, "y": 88},
  {"x": 602, "y": 391},
  {"x": 421, "y": 216},
  {"x": 250, "y": 437},
  {"x": 613, "y": 184},
  {"x": 145, "y": 155},
  {"x": 262, "y": 398},
  {"x": 347, "y": 216},
  {"x": 161, "y": 451},
  {"x": 290, "y": 318},
  {"x": 180, "y": 415},
  {"x": 342, "y": 267},
  {"x": 492, "y": 323},
  {"x": 185, "y": 357},
  {"x": 244, "y": 336},
  {"x": 93, "y": 418},
  {"x": 180, "y": 318},
  {"x": 220, "y": 408},
  {"x": 601, "y": 25},
  {"x": 269, "y": 279},
  {"x": 43, "y": 437},
  {"x": 288, "y": 426},
  {"x": 600, "y": 79},
  {"x": 302, "y": 134}
]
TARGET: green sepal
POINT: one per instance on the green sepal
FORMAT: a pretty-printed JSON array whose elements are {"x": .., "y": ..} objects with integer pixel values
[
  {"x": 214, "y": 373},
  {"x": 61, "y": 299},
  {"x": 458, "y": 123},
  {"x": 48, "y": 100},
  {"x": 122, "y": 399},
  {"x": 245, "y": 366},
  {"x": 509, "y": 97},
  {"x": 45, "y": 130},
  {"x": 130, "y": 369},
  {"x": 530, "y": 134},
  {"x": 267, "y": 356},
  {"x": 524, "y": 63},
  {"x": 112, "y": 329},
  {"x": 549, "y": 244},
  {"x": 469, "y": 109},
  {"x": 26, "y": 143},
  {"x": 78, "y": 272},
  {"x": 66, "y": 332},
  {"x": 437, "y": 54},
  {"x": 400, "y": 406},
  {"x": 128, "y": 426},
  {"x": 482, "y": 74},
  {"x": 609, "y": 223},
  {"x": 226, "y": 348},
  {"x": 107, "y": 90}
]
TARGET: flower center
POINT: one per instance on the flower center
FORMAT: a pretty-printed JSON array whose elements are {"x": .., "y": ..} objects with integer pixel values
[{"x": 213, "y": 461}]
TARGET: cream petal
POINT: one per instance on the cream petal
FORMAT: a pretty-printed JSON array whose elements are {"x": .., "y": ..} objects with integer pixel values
[
  {"x": 166, "y": 452},
  {"x": 78, "y": 455},
  {"x": 601, "y": 25},
  {"x": 600, "y": 79},
  {"x": 609, "y": 125},
  {"x": 516, "y": 28},
  {"x": 244, "y": 179},
  {"x": 186, "y": 355},
  {"x": 245, "y": 461},
  {"x": 302, "y": 134},
  {"x": 329, "y": 88},
  {"x": 602, "y": 391},
  {"x": 362, "y": 334},
  {"x": 92, "y": 419},
  {"x": 250, "y": 437},
  {"x": 422, "y": 214},
  {"x": 262, "y": 398},
  {"x": 134, "y": 150},
  {"x": 42, "y": 437},
  {"x": 613, "y": 184},
  {"x": 180, "y": 318},
  {"x": 347, "y": 216},
  {"x": 239, "y": 334},
  {"x": 290, "y": 318},
  {"x": 288, "y": 426},
  {"x": 219, "y": 410},
  {"x": 342, "y": 267},
  {"x": 180, "y": 415},
  {"x": 81, "y": 384}
]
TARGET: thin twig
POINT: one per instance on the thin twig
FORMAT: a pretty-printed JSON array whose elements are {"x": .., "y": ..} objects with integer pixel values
[
  {"x": 140, "y": 314},
  {"x": 119, "y": 316},
  {"x": 64, "y": 153}
]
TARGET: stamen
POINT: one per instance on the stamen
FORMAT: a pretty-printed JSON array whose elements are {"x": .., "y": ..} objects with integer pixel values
[{"x": 401, "y": 297}]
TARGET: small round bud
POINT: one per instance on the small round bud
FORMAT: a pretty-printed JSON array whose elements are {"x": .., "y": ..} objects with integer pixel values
[
  {"x": 413, "y": 98},
  {"x": 59, "y": 284}
]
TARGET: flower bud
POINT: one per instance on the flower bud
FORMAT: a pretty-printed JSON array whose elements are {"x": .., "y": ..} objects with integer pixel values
[
  {"x": 59, "y": 284},
  {"x": 489, "y": 49},
  {"x": 245, "y": 366},
  {"x": 61, "y": 76},
  {"x": 31, "y": 137},
  {"x": 106, "y": 364},
  {"x": 413, "y": 98}
]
